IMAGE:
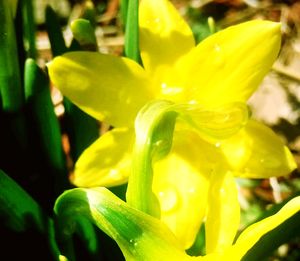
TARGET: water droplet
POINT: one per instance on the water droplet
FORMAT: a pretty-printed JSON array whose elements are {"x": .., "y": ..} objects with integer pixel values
[
  {"x": 157, "y": 20},
  {"x": 163, "y": 85},
  {"x": 115, "y": 174},
  {"x": 192, "y": 190},
  {"x": 159, "y": 143},
  {"x": 193, "y": 102},
  {"x": 219, "y": 56},
  {"x": 218, "y": 144},
  {"x": 170, "y": 90},
  {"x": 124, "y": 97},
  {"x": 169, "y": 199},
  {"x": 133, "y": 242},
  {"x": 270, "y": 162}
]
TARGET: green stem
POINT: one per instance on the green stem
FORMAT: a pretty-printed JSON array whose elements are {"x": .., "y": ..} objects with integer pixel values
[
  {"x": 154, "y": 133},
  {"x": 154, "y": 127}
]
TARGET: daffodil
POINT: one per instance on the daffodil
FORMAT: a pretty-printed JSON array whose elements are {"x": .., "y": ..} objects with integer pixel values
[
  {"x": 223, "y": 70},
  {"x": 142, "y": 237}
]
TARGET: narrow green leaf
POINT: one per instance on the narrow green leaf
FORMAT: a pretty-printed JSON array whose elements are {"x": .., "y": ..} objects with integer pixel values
[
  {"x": 10, "y": 81},
  {"x": 283, "y": 234},
  {"x": 19, "y": 31},
  {"x": 43, "y": 126},
  {"x": 124, "y": 9},
  {"x": 132, "y": 31},
  {"x": 21, "y": 213},
  {"x": 18, "y": 207},
  {"x": 198, "y": 248},
  {"x": 57, "y": 41},
  {"x": 13, "y": 5},
  {"x": 81, "y": 128},
  {"x": 29, "y": 28}
]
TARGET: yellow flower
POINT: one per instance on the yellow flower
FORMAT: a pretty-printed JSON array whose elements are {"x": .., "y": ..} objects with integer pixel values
[
  {"x": 226, "y": 68},
  {"x": 142, "y": 237}
]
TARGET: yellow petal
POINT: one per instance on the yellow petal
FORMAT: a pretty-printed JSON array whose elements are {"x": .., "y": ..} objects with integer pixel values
[
  {"x": 164, "y": 35},
  {"x": 109, "y": 88},
  {"x": 223, "y": 216},
  {"x": 217, "y": 123},
  {"x": 253, "y": 233},
  {"x": 229, "y": 65},
  {"x": 257, "y": 152},
  {"x": 107, "y": 161},
  {"x": 181, "y": 183}
]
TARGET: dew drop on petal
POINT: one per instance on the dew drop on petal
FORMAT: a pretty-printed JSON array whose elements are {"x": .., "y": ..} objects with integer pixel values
[
  {"x": 114, "y": 174},
  {"x": 169, "y": 199},
  {"x": 218, "y": 144},
  {"x": 270, "y": 162},
  {"x": 219, "y": 56},
  {"x": 157, "y": 20},
  {"x": 133, "y": 242},
  {"x": 192, "y": 190}
]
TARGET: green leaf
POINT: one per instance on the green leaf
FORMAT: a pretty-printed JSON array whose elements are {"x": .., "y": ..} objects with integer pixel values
[
  {"x": 44, "y": 127},
  {"x": 124, "y": 9},
  {"x": 21, "y": 213},
  {"x": 82, "y": 129},
  {"x": 10, "y": 81},
  {"x": 18, "y": 207},
  {"x": 29, "y": 28},
  {"x": 198, "y": 248},
  {"x": 283, "y": 234},
  {"x": 132, "y": 31},
  {"x": 57, "y": 41},
  {"x": 139, "y": 236}
]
